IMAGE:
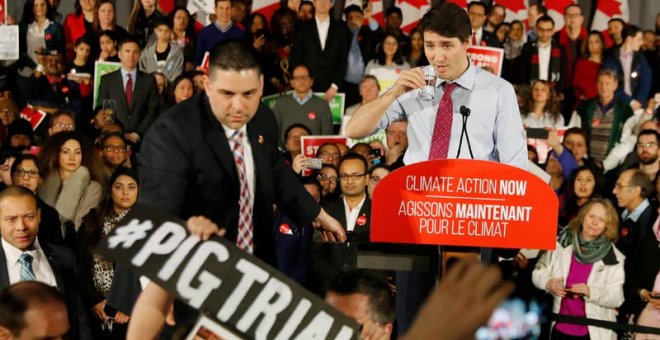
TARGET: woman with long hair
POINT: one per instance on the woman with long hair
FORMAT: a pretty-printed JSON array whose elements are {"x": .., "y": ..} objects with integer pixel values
[
  {"x": 183, "y": 34},
  {"x": 584, "y": 184},
  {"x": 79, "y": 23},
  {"x": 416, "y": 56},
  {"x": 388, "y": 63},
  {"x": 38, "y": 30},
  {"x": 99, "y": 276},
  {"x": 181, "y": 89},
  {"x": 586, "y": 69},
  {"x": 585, "y": 272},
  {"x": 141, "y": 21},
  {"x": 105, "y": 19},
  {"x": 542, "y": 107},
  {"x": 72, "y": 179}
]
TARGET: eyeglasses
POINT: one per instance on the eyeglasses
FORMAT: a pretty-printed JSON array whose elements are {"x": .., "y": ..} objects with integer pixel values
[
  {"x": 375, "y": 179},
  {"x": 114, "y": 148},
  {"x": 65, "y": 127},
  {"x": 325, "y": 178},
  {"x": 646, "y": 145},
  {"x": 355, "y": 177},
  {"x": 301, "y": 78},
  {"x": 620, "y": 186},
  {"x": 30, "y": 173},
  {"x": 325, "y": 154}
]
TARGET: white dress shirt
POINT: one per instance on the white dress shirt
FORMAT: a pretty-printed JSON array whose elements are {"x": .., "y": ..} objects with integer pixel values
[
  {"x": 40, "y": 266},
  {"x": 352, "y": 214},
  {"x": 544, "y": 62},
  {"x": 323, "y": 27},
  {"x": 494, "y": 125},
  {"x": 247, "y": 155}
]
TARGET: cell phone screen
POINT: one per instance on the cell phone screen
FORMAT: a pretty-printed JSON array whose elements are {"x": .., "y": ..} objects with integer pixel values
[{"x": 515, "y": 318}]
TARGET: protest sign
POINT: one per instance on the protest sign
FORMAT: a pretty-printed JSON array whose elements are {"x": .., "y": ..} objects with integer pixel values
[
  {"x": 310, "y": 144},
  {"x": 3, "y": 12},
  {"x": 233, "y": 288},
  {"x": 102, "y": 68},
  {"x": 489, "y": 58},
  {"x": 465, "y": 203},
  {"x": 8, "y": 42}
]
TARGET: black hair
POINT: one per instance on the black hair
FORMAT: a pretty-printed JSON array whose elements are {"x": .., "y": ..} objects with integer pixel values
[
  {"x": 649, "y": 132},
  {"x": 16, "y": 300},
  {"x": 128, "y": 40},
  {"x": 397, "y": 58},
  {"x": 360, "y": 281},
  {"x": 234, "y": 56},
  {"x": 393, "y": 10},
  {"x": 20, "y": 158},
  {"x": 448, "y": 20},
  {"x": 545, "y": 18},
  {"x": 296, "y": 126},
  {"x": 354, "y": 156},
  {"x": 82, "y": 40},
  {"x": 28, "y": 12},
  {"x": 164, "y": 20},
  {"x": 630, "y": 31}
]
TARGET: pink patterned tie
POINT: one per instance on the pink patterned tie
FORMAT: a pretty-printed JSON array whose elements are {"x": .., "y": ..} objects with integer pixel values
[
  {"x": 442, "y": 126},
  {"x": 245, "y": 228}
]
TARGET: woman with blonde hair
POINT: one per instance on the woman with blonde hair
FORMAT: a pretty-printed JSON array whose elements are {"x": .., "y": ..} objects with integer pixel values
[{"x": 585, "y": 272}]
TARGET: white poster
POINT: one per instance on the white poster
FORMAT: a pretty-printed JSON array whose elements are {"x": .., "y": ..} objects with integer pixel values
[{"x": 9, "y": 42}]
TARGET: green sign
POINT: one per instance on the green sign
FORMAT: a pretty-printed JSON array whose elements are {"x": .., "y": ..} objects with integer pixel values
[{"x": 102, "y": 68}]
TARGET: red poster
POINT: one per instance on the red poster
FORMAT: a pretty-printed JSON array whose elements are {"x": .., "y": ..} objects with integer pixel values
[
  {"x": 488, "y": 58},
  {"x": 3, "y": 11},
  {"x": 309, "y": 145},
  {"x": 465, "y": 203}
]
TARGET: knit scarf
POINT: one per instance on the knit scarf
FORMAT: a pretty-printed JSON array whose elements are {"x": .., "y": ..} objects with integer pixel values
[
  {"x": 585, "y": 251},
  {"x": 555, "y": 68}
]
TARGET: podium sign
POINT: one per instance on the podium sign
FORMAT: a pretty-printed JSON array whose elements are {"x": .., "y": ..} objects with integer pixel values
[{"x": 465, "y": 203}]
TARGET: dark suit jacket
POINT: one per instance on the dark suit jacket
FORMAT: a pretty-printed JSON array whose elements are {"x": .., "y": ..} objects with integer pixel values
[
  {"x": 144, "y": 109},
  {"x": 198, "y": 174},
  {"x": 327, "y": 66},
  {"x": 490, "y": 39},
  {"x": 63, "y": 263},
  {"x": 632, "y": 239},
  {"x": 329, "y": 259},
  {"x": 367, "y": 40}
]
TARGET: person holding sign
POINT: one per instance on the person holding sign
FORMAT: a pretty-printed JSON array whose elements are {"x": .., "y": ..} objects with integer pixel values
[
  {"x": 222, "y": 160},
  {"x": 486, "y": 103}
]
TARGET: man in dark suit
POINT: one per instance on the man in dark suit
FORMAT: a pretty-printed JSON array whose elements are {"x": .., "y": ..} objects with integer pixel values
[
  {"x": 23, "y": 258},
  {"x": 134, "y": 93},
  {"x": 222, "y": 162},
  {"x": 478, "y": 12},
  {"x": 632, "y": 191},
  {"x": 322, "y": 44},
  {"x": 353, "y": 211}
]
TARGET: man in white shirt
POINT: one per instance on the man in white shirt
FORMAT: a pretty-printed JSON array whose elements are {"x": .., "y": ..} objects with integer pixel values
[{"x": 23, "y": 258}]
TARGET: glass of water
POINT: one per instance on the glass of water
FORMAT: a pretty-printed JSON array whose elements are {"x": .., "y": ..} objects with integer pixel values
[{"x": 427, "y": 92}]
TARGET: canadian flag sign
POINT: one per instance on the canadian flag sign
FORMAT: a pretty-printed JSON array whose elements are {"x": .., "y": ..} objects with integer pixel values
[
  {"x": 515, "y": 9},
  {"x": 608, "y": 9},
  {"x": 265, "y": 7},
  {"x": 556, "y": 11},
  {"x": 413, "y": 11}
]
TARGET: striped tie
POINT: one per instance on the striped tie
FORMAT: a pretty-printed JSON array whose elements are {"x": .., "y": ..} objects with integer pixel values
[
  {"x": 245, "y": 228},
  {"x": 26, "y": 268}
]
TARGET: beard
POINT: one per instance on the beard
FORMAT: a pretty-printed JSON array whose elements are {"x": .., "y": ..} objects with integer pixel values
[{"x": 648, "y": 160}]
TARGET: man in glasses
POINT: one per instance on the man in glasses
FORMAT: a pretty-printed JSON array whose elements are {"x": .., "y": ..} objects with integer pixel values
[
  {"x": 353, "y": 211},
  {"x": 25, "y": 173},
  {"x": 115, "y": 152},
  {"x": 62, "y": 121}
]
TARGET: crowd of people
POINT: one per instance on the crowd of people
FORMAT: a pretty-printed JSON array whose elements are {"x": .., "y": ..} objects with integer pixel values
[{"x": 169, "y": 132}]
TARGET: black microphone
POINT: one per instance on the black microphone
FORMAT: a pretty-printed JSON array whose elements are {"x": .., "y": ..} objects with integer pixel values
[{"x": 465, "y": 112}]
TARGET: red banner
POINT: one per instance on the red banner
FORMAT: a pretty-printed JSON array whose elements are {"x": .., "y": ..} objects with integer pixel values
[
  {"x": 309, "y": 145},
  {"x": 3, "y": 12},
  {"x": 488, "y": 58},
  {"x": 465, "y": 203}
]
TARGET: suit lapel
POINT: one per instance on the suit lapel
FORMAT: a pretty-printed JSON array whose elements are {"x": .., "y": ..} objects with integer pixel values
[
  {"x": 214, "y": 135},
  {"x": 258, "y": 155},
  {"x": 4, "y": 270},
  {"x": 317, "y": 36},
  {"x": 55, "y": 266},
  {"x": 119, "y": 82}
]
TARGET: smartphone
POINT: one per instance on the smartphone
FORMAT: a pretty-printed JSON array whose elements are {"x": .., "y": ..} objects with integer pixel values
[
  {"x": 375, "y": 152},
  {"x": 515, "y": 318},
  {"x": 654, "y": 295},
  {"x": 539, "y": 133},
  {"x": 259, "y": 33},
  {"x": 313, "y": 163}
]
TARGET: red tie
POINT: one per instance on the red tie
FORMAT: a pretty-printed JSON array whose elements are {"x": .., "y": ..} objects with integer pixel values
[
  {"x": 474, "y": 39},
  {"x": 129, "y": 90},
  {"x": 245, "y": 228},
  {"x": 442, "y": 126}
]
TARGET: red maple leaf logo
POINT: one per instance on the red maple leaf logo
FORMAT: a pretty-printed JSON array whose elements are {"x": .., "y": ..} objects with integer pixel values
[
  {"x": 462, "y": 3},
  {"x": 609, "y": 7},
  {"x": 416, "y": 3},
  {"x": 558, "y": 5},
  {"x": 512, "y": 5}
]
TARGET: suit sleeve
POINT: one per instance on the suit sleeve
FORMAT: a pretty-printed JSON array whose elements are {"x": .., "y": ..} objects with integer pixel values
[
  {"x": 201, "y": 48},
  {"x": 338, "y": 75},
  {"x": 164, "y": 179},
  {"x": 298, "y": 50},
  {"x": 326, "y": 124},
  {"x": 103, "y": 90},
  {"x": 643, "y": 90},
  {"x": 152, "y": 106}
]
